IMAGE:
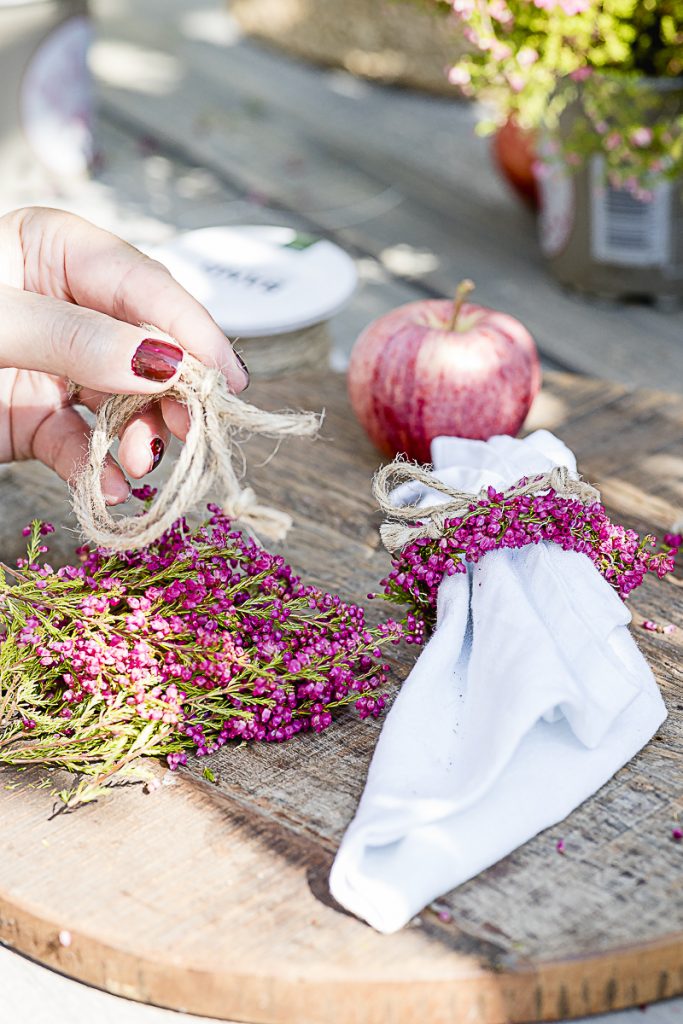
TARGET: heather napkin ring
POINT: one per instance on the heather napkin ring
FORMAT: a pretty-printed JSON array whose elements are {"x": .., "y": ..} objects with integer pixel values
[
  {"x": 410, "y": 522},
  {"x": 218, "y": 419}
]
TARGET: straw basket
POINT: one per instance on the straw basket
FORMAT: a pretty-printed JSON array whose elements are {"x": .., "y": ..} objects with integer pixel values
[{"x": 386, "y": 40}]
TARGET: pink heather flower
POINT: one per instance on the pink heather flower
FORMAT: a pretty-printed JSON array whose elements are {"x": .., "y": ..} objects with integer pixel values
[
  {"x": 500, "y": 12},
  {"x": 581, "y": 74},
  {"x": 569, "y": 7},
  {"x": 144, "y": 493},
  {"x": 516, "y": 82},
  {"x": 642, "y": 137},
  {"x": 541, "y": 170},
  {"x": 441, "y": 911},
  {"x": 527, "y": 56},
  {"x": 459, "y": 76},
  {"x": 500, "y": 51}
]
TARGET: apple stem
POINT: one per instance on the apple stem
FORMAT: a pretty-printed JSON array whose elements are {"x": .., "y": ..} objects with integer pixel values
[{"x": 461, "y": 293}]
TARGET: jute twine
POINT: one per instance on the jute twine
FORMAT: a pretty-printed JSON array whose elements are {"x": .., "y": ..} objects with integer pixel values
[
  {"x": 218, "y": 420},
  {"x": 408, "y": 523}
]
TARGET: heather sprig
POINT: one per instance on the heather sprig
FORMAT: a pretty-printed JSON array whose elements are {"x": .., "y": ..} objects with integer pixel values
[
  {"x": 620, "y": 555},
  {"x": 200, "y": 639}
]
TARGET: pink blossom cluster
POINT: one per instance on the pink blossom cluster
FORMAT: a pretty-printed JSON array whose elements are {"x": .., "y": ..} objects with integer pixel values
[
  {"x": 568, "y": 7},
  {"x": 620, "y": 555},
  {"x": 204, "y": 635}
]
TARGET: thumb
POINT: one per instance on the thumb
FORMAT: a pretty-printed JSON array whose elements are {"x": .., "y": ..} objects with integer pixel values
[{"x": 38, "y": 332}]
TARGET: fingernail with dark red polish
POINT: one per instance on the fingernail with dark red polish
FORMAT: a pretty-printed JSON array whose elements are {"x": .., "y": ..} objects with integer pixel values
[
  {"x": 244, "y": 367},
  {"x": 157, "y": 446},
  {"x": 156, "y": 360}
]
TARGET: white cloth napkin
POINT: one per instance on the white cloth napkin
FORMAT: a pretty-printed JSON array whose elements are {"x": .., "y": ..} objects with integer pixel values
[{"x": 529, "y": 696}]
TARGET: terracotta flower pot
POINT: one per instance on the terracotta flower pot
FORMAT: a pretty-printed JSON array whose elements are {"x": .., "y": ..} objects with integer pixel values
[{"x": 514, "y": 152}]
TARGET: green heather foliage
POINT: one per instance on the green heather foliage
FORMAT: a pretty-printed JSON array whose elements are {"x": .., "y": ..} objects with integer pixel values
[{"x": 532, "y": 59}]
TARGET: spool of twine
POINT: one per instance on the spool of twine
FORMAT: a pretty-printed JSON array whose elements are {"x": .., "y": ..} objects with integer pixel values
[
  {"x": 219, "y": 420},
  {"x": 407, "y": 523},
  {"x": 277, "y": 354}
]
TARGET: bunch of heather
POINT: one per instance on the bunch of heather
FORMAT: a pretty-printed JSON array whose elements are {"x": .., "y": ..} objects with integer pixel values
[
  {"x": 620, "y": 555},
  {"x": 200, "y": 639}
]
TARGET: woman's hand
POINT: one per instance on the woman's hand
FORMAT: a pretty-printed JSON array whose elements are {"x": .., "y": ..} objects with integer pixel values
[{"x": 71, "y": 297}]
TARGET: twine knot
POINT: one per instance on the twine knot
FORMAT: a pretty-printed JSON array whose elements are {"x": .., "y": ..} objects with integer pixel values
[
  {"x": 218, "y": 421},
  {"x": 408, "y": 523}
]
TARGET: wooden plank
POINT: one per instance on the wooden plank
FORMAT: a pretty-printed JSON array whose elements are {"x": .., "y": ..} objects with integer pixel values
[
  {"x": 214, "y": 899},
  {"x": 31, "y": 993}
]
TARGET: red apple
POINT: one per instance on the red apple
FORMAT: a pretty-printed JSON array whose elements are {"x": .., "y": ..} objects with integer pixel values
[{"x": 437, "y": 367}]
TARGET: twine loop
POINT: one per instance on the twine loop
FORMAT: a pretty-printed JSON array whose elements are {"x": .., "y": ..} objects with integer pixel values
[
  {"x": 218, "y": 421},
  {"x": 408, "y": 523}
]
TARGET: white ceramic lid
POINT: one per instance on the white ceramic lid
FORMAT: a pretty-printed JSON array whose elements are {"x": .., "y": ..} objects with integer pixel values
[{"x": 257, "y": 280}]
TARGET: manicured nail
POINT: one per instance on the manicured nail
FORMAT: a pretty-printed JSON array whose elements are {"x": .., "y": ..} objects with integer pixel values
[
  {"x": 244, "y": 367},
  {"x": 157, "y": 446},
  {"x": 156, "y": 360}
]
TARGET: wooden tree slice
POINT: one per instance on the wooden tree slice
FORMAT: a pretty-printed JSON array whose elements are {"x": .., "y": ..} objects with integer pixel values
[{"x": 214, "y": 898}]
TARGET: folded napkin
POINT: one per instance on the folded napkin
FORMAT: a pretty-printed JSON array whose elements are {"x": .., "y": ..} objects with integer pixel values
[{"x": 529, "y": 696}]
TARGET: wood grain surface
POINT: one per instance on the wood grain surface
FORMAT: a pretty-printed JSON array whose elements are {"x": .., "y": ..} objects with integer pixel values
[{"x": 214, "y": 899}]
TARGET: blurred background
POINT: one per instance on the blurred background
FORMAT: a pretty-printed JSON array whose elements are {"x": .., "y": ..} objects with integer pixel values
[{"x": 348, "y": 122}]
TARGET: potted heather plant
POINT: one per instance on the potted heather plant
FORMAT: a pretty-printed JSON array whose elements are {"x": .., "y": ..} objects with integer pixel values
[{"x": 600, "y": 85}]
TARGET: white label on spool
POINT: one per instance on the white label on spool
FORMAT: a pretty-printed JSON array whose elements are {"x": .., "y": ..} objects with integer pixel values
[
  {"x": 627, "y": 230},
  {"x": 56, "y": 102},
  {"x": 257, "y": 281},
  {"x": 556, "y": 188}
]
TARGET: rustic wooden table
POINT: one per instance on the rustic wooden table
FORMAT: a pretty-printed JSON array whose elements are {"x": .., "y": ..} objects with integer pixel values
[
  {"x": 198, "y": 126},
  {"x": 214, "y": 898}
]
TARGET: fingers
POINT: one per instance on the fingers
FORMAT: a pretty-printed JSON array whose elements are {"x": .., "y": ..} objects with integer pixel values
[
  {"x": 143, "y": 443},
  {"x": 41, "y": 333},
  {"x": 61, "y": 442},
  {"x": 143, "y": 440},
  {"x": 97, "y": 270},
  {"x": 176, "y": 417}
]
